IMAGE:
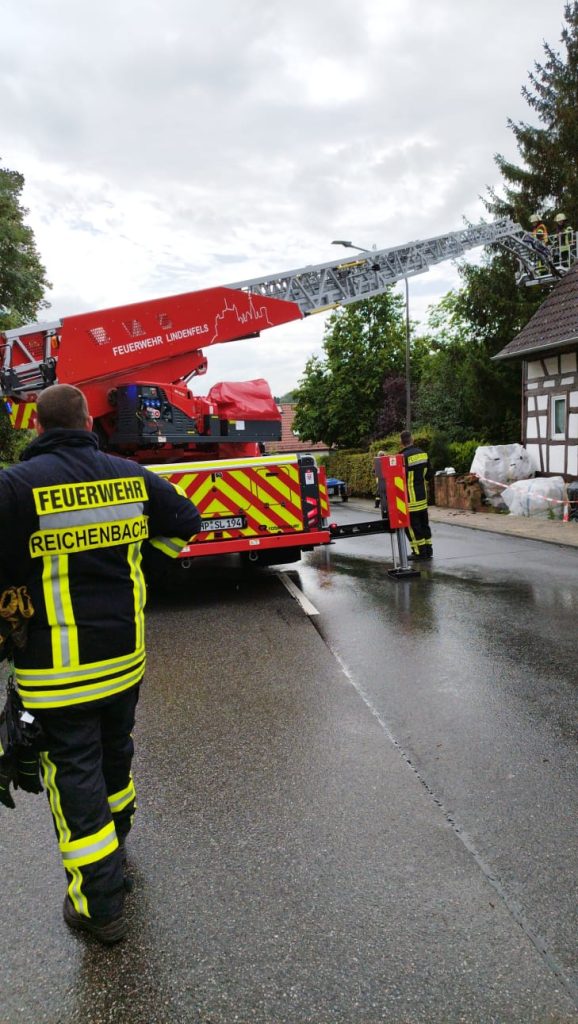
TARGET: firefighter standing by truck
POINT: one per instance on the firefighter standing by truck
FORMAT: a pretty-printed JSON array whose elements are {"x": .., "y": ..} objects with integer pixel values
[
  {"x": 418, "y": 473},
  {"x": 72, "y": 522}
]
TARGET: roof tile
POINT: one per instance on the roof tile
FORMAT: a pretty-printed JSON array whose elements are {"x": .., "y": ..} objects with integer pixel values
[{"x": 554, "y": 324}]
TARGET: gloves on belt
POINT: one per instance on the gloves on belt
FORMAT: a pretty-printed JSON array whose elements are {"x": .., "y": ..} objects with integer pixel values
[
  {"x": 6, "y": 777},
  {"x": 28, "y": 772},
  {"x": 15, "y": 610},
  {"x": 21, "y": 738}
]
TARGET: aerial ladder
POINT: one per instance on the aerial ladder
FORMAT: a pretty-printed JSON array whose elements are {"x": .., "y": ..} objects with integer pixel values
[
  {"x": 106, "y": 353},
  {"x": 135, "y": 363}
]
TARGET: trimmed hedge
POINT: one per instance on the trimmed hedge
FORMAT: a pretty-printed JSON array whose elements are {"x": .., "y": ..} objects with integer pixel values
[{"x": 356, "y": 468}]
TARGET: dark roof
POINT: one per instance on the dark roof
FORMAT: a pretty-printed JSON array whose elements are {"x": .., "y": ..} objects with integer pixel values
[
  {"x": 553, "y": 326},
  {"x": 289, "y": 441}
]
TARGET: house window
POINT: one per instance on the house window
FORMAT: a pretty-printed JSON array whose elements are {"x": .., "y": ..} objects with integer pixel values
[{"x": 558, "y": 417}]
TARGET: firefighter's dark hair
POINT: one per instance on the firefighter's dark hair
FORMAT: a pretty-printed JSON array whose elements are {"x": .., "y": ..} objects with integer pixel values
[
  {"x": 62, "y": 405},
  {"x": 405, "y": 437}
]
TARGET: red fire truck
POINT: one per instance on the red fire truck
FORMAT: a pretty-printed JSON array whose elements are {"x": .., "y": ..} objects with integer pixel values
[{"x": 135, "y": 364}]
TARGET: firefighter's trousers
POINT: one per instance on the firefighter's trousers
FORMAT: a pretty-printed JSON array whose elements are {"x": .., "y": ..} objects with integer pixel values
[
  {"x": 419, "y": 533},
  {"x": 86, "y": 768}
]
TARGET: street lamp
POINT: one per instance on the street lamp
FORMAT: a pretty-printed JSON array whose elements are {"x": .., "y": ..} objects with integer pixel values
[{"x": 350, "y": 245}]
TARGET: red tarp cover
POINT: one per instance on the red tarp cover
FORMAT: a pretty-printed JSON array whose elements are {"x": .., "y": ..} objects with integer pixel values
[{"x": 244, "y": 400}]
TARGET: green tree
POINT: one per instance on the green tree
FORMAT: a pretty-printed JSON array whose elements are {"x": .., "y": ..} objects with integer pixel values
[
  {"x": 339, "y": 395},
  {"x": 441, "y": 398},
  {"x": 463, "y": 392},
  {"x": 22, "y": 280},
  {"x": 311, "y": 402},
  {"x": 547, "y": 179}
]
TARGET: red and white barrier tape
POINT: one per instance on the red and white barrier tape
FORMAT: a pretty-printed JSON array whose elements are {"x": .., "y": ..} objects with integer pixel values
[{"x": 544, "y": 497}]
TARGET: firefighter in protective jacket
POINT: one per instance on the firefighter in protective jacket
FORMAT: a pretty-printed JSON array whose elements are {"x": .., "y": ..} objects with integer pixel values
[
  {"x": 72, "y": 522},
  {"x": 418, "y": 472}
]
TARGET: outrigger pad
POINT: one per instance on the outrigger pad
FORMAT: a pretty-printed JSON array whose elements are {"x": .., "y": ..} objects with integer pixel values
[{"x": 403, "y": 574}]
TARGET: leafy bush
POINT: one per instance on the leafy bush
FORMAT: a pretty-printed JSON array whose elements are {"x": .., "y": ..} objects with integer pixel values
[
  {"x": 461, "y": 454},
  {"x": 12, "y": 442},
  {"x": 439, "y": 451},
  {"x": 356, "y": 468},
  {"x": 390, "y": 445}
]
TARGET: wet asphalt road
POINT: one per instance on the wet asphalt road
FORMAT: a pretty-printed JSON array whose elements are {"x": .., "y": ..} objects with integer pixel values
[
  {"x": 474, "y": 673},
  {"x": 367, "y": 816}
]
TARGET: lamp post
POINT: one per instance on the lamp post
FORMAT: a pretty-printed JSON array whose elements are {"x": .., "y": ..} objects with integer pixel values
[
  {"x": 359, "y": 248},
  {"x": 407, "y": 359}
]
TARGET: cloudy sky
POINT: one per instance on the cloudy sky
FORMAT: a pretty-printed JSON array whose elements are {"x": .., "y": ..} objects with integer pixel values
[{"x": 170, "y": 145}]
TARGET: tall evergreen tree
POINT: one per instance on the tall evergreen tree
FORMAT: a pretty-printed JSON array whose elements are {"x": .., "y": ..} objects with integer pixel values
[
  {"x": 462, "y": 390},
  {"x": 546, "y": 181},
  {"x": 22, "y": 278}
]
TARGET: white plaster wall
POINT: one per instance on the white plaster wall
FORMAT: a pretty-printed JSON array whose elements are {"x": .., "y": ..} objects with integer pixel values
[
  {"x": 552, "y": 364},
  {"x": 531, "y": 427},
  {"x": 573, "y": 460},
  {"x": 534, "y": 370},
  {"x": 534, "y": 453},
  {"x": 568, "y": 362},
  {"x": 573, "y": 424},
  {"x": 542, "y": 401},
  {"x": 556, "y": 459}
]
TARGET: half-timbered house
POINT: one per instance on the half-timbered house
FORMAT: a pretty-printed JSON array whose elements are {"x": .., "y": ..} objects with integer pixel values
[{"x": 548, "y": 348}]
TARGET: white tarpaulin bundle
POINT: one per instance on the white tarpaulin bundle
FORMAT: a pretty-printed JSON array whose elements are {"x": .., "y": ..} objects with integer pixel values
[
  {"x": 498, "y": 465},
  {"x": 543, "y": 497}
]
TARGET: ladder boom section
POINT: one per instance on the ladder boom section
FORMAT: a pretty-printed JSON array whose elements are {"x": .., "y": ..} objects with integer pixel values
[
  {"x": 370, "y": 272},
  {"x": 163, "y": 337}
]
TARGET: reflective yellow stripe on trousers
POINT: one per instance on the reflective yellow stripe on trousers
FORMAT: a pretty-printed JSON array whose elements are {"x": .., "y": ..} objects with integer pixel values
[
  {"x": 89, "y": 849},
  {"x": 118, "y": 801},
  {"x": 75, "y": 887}
]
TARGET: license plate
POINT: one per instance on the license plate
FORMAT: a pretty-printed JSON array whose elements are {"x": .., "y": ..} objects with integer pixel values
[{"x": 228, "y": 523}]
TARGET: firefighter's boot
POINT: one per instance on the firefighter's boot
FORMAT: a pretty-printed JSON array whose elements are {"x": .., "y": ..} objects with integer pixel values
[{"x": 106, "y": 930}]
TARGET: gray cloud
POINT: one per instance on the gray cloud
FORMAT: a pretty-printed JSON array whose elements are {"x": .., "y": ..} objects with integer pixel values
[{"x": 175, "y": 144}]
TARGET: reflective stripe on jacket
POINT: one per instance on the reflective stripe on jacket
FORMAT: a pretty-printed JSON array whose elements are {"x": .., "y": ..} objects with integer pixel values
[
  {"x": 72, "y": 522},
  {"x": 417, "y": 472}
]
